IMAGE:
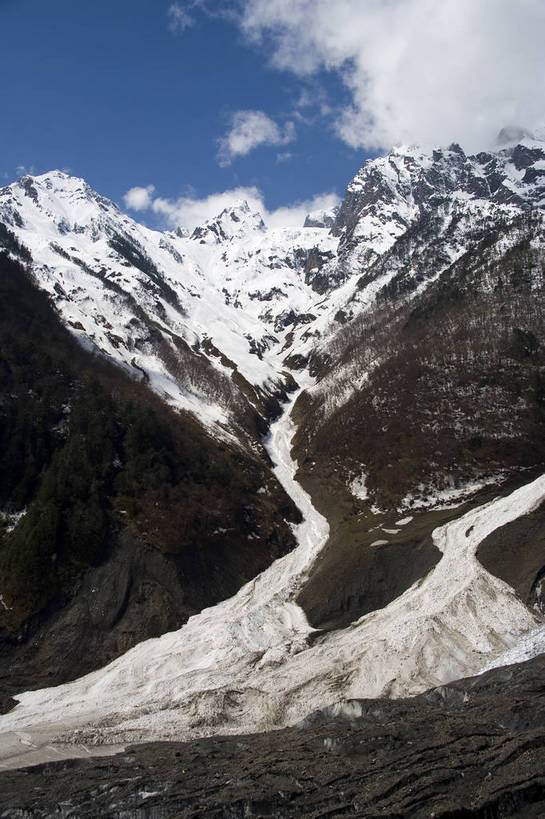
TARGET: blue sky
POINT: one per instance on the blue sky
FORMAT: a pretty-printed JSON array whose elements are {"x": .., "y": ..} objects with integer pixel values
[
  {"x": 187, "y": 104},
  {"x": 108, "y": 91}
]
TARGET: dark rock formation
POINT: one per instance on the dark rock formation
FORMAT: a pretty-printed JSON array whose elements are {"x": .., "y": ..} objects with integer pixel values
[{"x": 118, "y": 518}]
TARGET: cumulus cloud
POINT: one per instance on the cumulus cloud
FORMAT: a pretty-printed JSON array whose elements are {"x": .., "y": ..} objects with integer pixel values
[
  {"x": 417, "y": 70},
  {"x": 294, "y": 215},
  {"x": 249, "y": 130},
  {"x": 188, "y": 212},
  {"x": 139, "y": 198}
]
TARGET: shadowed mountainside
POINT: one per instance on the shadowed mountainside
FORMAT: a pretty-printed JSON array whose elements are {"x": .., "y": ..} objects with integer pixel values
[
  {"x": 120, "y": 516},
  {"x": 423, "y": 402}
]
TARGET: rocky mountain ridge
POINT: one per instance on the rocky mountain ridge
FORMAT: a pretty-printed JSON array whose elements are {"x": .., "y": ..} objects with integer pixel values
[
  {"x": 470, "y": 750},
  {"x": 246, "y": 299}
]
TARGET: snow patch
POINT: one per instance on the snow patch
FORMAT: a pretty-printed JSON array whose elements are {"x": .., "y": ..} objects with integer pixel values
[
  {"x": 10, "y": 520},
  {"x": 447, "y": 498},
  {"x": 358, "y": 487},
  {"x": 4, "y": 604},
  {"x": 526, "y": 648}
]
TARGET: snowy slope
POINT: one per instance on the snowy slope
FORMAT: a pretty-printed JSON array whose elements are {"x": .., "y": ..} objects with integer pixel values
[
  {"x": 419, "y": 213},
  {"x": 129, "y": 290}
]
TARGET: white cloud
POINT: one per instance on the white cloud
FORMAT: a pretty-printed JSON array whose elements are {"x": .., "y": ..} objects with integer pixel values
[
  {"x": 249, "y": 130},
  {"x": 139, "y": 198},
  {"x": 426, "y": 71},
  {"x": 188, "y": 211},
  {"x": 294, "y": 215},
  {"x": 312, "y": 98},
  {"x": 25, "y": 170},
  {"x": 180, "y": 18}
]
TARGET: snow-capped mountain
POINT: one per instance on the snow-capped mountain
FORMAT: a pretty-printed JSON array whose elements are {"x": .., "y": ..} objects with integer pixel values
[
  {"x": 411, "y": 215},
  {"x": 409, "y": 328},
  {"x": 248, "y": 298},
  {"x": 236, "y": 222},
  {"x": 158, "y": 303}
]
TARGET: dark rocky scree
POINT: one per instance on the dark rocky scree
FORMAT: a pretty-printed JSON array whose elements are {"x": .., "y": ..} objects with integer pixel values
[
  {"x": 124, "y": 534},
  {"x": 473, "y": 749}
]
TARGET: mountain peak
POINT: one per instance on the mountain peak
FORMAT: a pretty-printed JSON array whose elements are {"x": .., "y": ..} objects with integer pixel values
[
  {"x": 234, "y": 222},
  {"x": 59, "y": 180},
  {"x": 321, "y": 218},
  {"x": 55, "y": 187}
]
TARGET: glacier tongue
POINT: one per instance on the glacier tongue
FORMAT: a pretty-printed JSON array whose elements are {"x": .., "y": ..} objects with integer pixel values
[
  {"x": 196, "y": 667},
  {"x": 247, "y": 664}
]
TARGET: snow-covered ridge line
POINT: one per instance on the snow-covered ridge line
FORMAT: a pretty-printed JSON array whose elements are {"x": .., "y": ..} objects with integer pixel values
[
  {"x": 130, "y": 292},
  {"x": 253, "y": 293},
  {"x": 111, "y": 278}
]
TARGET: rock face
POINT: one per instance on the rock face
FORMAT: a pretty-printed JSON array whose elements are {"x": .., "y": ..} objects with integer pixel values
[
  {"x": 235, "y": 222},
  {"x": 475, "y": 748},
  {"x": 320, "y": 219},
  {"x": 154, "y": 301}
]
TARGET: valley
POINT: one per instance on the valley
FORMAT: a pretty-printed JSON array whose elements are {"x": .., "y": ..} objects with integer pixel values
[{"x": 319, "y": 453}]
